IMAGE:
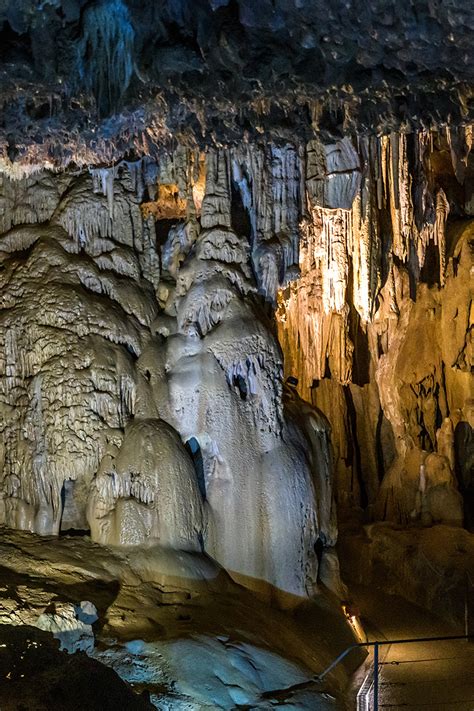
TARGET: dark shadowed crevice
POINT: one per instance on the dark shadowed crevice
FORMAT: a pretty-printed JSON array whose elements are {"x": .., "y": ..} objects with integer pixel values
[
  {"x": 354, "y": 458},
  {"x": 194, "y": 449}
]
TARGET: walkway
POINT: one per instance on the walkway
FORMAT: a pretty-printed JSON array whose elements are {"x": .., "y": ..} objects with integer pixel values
[{"x": 430, "y": 676}]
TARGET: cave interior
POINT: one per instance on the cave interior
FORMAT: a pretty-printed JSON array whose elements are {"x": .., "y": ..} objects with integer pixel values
[{"x": 236, "y": 318}]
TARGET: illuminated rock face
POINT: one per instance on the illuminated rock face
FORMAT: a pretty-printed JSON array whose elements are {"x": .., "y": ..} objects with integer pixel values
[
  {"x": 75, "y": 316},
  {"x": 377, "y": 328},
  {"x": 127, "y": 355},
  {"x": 142, "y": 389}
]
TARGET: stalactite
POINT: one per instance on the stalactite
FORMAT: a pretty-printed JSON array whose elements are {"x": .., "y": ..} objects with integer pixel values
[
  {"x": 103, "y": 179},
  {"x": 460, "y": 144},
  {"x": 398, "y": 188},
  {"x": 269, "y": 182},
  {"x": 356, "y": 261},
  {"x": 442, "y": 210},
  {"x": 105, "y": 52}
]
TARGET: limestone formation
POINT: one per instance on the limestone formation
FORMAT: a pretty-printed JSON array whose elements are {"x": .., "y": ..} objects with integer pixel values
[
  {"x": 146, "y": 491},
  {"x": 70, "y": 624},
  {"x": 236, "y": 319},
  {"x": 148, "y": 600},
  {"x": 142, "y": 381},
  {"x": 141, "y": 375},
  {"x": 89, "y": 83},
  {"x": 377, "y": 328}
]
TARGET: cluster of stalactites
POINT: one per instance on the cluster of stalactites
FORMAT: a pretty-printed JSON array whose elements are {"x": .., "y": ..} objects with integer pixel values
[
  {"x": 344, "y": 207},
  {"x": 355, "y": 191},
  {"x": 312, "y": 210},
  {"x": 259, "y": 186},
  {"x": 327, "y": 199}
]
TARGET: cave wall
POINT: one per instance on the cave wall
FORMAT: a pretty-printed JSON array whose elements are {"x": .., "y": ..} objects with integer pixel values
[
  {"x": 141, "y": 380},
  {"x": 151, "y": 312},
  {"x": 378, "y": 327}
]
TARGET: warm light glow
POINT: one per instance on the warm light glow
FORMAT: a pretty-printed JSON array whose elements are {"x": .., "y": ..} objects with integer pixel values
[{"x": 352, "y": 616}]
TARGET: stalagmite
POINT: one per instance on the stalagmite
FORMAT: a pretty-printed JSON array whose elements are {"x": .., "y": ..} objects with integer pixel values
[{"x": 146, "y": 491}]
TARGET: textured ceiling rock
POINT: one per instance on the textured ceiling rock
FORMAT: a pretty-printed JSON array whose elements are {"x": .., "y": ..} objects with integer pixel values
[{"x": 90, "y": 81}]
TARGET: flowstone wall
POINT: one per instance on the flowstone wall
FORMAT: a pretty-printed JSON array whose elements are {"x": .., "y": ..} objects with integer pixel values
[{"x": 141, "y": 378}]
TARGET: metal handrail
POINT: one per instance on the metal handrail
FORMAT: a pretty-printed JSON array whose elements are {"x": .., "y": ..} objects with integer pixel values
[
  {"x": 343, "y": 654},
  {"x": 376, "y": 644}
]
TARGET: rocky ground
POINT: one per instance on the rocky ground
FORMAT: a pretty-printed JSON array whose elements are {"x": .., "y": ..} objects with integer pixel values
[
  {"x": 172, "y": 625},
  {"x": 36, "y": 676},
  {"x": 174, "y": 631}
]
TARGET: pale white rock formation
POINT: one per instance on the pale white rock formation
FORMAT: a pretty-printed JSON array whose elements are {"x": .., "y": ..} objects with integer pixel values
[
  {"x": 146, "y": 491},
  {"x": 332, "y": 174},
  {"x": 76, "y": 312},
  {"x": 219, "y": 673},
  {"x": 71, "y": 331},
  {"x": 141, "y": 378},
  {"x": 223, "y": 372}
]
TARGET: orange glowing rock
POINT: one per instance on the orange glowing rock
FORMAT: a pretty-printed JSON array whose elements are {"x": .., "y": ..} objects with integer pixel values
[{"x": 169, "y": 205}]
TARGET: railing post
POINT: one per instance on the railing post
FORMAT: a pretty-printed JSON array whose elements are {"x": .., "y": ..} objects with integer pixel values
[
  {"x": 376, "y": 646},
  {"x": 376, "y": 676}
]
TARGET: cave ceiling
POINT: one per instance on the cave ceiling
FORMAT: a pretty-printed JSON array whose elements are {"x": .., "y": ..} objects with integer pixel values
[{"x": 90, "y": 82}]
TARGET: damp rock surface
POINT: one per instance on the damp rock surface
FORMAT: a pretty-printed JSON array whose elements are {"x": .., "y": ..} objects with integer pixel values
[
  {"x": 35, "y": 675},
  {"x": 173, "y": 625}
]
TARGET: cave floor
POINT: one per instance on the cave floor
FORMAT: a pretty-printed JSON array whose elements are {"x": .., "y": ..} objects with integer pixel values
[
  {"x": 174, "y": 625},
  {"x": 437, "y": 676}
]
